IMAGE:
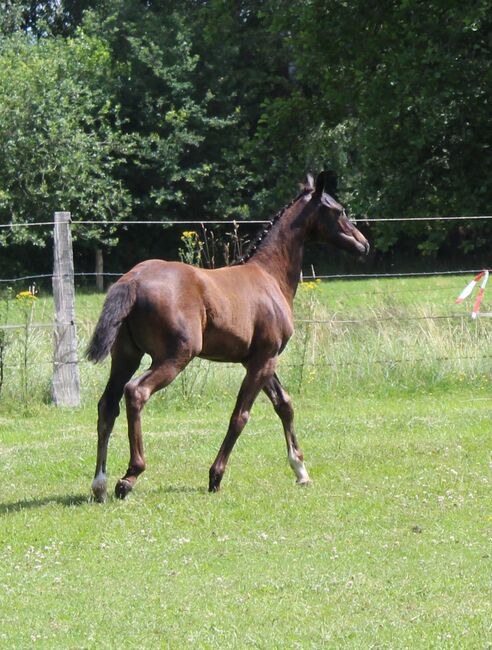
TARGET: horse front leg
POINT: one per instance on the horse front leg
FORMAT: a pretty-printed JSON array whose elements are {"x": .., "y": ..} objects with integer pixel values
[
  {"x": 283, "y": 407},
  {"x": 257, "y": 374}
]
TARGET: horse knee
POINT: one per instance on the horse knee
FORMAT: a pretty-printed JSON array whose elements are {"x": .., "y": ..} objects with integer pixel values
[{"x": 135, "y": 396}]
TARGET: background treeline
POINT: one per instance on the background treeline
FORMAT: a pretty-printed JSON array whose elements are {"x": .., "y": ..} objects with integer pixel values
[{"x": 132, "y": 109}]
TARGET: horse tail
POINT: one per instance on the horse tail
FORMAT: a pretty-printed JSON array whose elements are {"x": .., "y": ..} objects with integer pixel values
[{"x": 118, "y": 304}]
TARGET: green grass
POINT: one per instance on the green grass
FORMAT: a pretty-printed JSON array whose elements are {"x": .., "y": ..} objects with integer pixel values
[
  {"x": 377, "y": 335},
  {"x": 391, "y": 546}
]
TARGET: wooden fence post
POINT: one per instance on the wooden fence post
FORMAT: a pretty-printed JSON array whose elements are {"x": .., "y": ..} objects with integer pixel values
[
  {"x": 99, "y": 270},
  {"x": 66, "y": 383}
]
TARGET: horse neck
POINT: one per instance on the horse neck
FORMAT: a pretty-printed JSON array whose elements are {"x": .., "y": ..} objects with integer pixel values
[{"x": 282, "y": 251}]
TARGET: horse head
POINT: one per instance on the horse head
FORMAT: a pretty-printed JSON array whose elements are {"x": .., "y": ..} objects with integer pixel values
[{"x": 329, "y": 221}]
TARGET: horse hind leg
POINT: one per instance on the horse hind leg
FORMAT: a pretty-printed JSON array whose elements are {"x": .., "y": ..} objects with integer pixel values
[
  {"x": 283, "y": 407},
  {"x": 137, "y": 393},
  {"x": 125, "y": 361}
]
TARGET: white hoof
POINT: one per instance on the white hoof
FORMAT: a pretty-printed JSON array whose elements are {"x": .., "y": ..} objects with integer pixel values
[
  {"x": 304, "y": 481},
  {"x": 299, "y": 468},
  {"x": 100, "y": 488}
]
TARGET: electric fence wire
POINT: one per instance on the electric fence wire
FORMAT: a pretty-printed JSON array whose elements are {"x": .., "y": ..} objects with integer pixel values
[{"x": 235, "y": 222}]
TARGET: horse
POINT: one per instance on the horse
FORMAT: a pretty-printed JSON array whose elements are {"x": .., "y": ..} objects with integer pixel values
[{"x": 241, "y": 313}]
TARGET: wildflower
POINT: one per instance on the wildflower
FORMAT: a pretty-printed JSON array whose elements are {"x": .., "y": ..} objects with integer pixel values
[
  {"x": 26, "y": 295},
  {"x": 189, "y": 234},
  {"x": 309, "y": 286}
]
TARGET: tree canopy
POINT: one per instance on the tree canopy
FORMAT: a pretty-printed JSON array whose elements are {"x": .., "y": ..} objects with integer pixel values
[{"x": 208, "y": 109}]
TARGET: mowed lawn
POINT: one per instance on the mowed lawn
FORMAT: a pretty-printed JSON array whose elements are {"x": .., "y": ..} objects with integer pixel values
[{"x": 391, "y": 547}]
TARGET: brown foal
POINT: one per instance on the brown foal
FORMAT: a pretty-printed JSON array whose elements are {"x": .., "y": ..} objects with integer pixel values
[{"x": 242, "y": 313}]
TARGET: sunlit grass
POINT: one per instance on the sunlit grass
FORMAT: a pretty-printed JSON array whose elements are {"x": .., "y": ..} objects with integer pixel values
[
  {"x": 389, "y": 547},
  {"x": 367, "y": 335}
]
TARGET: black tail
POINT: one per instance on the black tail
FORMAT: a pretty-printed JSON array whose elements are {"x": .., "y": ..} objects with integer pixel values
[{"x": 119, "y": 301}]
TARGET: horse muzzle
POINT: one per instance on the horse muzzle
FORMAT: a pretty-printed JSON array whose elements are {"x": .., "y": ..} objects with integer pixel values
[{"x": 355, "y": 243}]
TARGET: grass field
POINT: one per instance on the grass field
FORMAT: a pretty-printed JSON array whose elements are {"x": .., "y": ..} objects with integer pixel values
[{"x": 391, "y": 547}]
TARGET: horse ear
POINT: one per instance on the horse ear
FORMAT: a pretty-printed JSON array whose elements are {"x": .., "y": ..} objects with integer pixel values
[
  {"x": 320, "y": 184},
  {"x": 331, "y": 182},
  {"x": 326, "y": 182},
  {"x": 309, "y": 182}
]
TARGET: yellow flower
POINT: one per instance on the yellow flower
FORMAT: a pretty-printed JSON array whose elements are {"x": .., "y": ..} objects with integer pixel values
[
  {"x": 25, "y": 295},
  {"x": 309, "y": 286},
  {"x": 189, "y": 234}
]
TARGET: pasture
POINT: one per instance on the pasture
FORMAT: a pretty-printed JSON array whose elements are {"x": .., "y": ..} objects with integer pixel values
[{"x": 389, "y": 548}]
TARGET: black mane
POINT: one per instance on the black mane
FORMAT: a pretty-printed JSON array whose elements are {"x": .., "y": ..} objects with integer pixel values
[{"x": 261, "y": 235}]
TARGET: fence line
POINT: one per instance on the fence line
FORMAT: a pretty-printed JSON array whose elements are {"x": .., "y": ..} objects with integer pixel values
[
  {"x": 235, "y": 222},
  {"x": 335, "y": 276},
  {"x": 318, "y": 362},
  {"x": 34, "y": 326},
  {"x": 381, "y": 320},
  {"x": 173, "y": 222},
  {"x": 310, "y": 321},
  {"x": 67, "y": 361},
  {"x": 410, "y": 274}
]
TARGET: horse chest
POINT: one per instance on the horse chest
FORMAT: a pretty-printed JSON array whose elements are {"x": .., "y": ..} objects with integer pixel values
[{"x": 233, "y": 334}]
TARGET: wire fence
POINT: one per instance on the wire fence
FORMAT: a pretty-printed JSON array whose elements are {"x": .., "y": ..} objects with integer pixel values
[
  {"x": 237, "y": 223},
  {"x": 233, "y": 222},
  {"x": 335, "y": 321},
  {"x": 311, "y": 276}
]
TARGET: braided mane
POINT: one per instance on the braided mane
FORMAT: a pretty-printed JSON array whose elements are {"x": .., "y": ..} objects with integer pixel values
[{"x": 255, "y": 244}]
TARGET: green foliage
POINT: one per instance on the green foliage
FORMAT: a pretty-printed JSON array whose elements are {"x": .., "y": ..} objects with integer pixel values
[
  {"x": 217, "y": 109},
  {"x": 405, "y": 84},
  {"x": 42, "y": 18},
  {"x": 165, "y": 110},
  {"x": 383, "y": 336},
  {"x": 60, "y": 135}
]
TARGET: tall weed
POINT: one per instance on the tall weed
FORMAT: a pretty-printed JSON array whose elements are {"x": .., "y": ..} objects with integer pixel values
[{"x": 356, "y": 337}]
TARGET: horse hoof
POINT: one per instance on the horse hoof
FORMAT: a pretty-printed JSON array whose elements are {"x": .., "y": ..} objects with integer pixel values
[
  {"x": 214, "y": 485},
  {"x": 122, "y": 488},
  {"x": 100, "y": 497},
  {"x": 214, "y": 480},
  {"x": 99, "y": 491},
  {"x": 304, "y": 481}
]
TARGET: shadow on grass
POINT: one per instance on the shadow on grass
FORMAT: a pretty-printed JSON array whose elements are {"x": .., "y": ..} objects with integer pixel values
[
  {"x": 74, "y": 500},
  {"x": 69, "y": 500}
]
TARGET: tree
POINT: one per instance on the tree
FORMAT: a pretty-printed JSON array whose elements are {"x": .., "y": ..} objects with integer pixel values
[
  {"x": 213, "y": 109},
  {"x": 163, "y": 108},
  {"x": 42, "y": 19},
  {"x": 60, "y": 135},
  {"x": 399, "y": 96}
]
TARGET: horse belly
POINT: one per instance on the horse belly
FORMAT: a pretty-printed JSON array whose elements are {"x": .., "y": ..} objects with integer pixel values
[{"x": 225, "y": 345}]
